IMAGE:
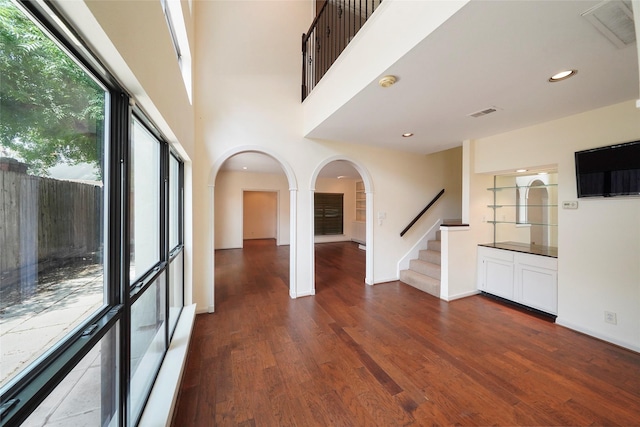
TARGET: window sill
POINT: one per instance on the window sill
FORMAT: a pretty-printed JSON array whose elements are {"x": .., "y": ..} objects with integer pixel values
[{"x": 161, "y": 403}]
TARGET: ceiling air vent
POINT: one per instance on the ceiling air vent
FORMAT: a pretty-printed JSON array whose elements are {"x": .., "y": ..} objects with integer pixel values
[
  {"x": 614, "y": 19},
  {"x": 483, "y": 112}
]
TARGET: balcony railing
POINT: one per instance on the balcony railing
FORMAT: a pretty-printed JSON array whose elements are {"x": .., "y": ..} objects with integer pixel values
[{"x": 334, "y": 27}]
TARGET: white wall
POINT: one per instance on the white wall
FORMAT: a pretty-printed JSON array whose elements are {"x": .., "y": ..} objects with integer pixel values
[
  {"x": 229, "y": 189},
  {"x": 599, "y": 243}
]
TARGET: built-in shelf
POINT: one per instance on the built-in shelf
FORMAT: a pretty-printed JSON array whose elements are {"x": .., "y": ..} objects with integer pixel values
[
  {"x": 508, "y": 187},
  {"x": 361, "y": 202},
  {"x": 525, "y": 209}
]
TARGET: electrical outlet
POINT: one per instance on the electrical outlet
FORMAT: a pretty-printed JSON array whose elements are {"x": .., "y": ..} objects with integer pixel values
[
  {"x": 610, "y": 317},
  {"x": 572, "y": 204}
]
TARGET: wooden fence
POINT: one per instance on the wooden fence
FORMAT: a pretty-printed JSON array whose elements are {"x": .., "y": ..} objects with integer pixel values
[{"x": 45, "y": 224}]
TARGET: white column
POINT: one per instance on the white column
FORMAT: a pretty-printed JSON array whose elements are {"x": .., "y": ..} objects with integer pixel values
[
  {"x": 369, "y": 279},
  {"x": 467, "y": 170},
  {"x": 293, "y": 243},
  {"x": 211, "y": 286}
]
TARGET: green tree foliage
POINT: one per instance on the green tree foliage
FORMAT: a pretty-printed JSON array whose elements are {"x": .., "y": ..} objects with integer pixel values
[{"x": 51, "y": 111}]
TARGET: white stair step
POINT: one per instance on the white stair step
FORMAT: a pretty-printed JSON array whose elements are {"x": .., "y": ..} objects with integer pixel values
[
  {"x": 430, "y": 256},
  {"x": 425, "y": 267},
  {"x": 420, "y": 281}
]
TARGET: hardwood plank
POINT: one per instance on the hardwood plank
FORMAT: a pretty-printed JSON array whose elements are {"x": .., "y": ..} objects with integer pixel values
[{"x": 387, "y": 355}]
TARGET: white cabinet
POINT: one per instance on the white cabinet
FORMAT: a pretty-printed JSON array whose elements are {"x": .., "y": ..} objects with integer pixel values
[
  {"x": 527, "y": 279},
  {"x": 495, "y": 273}
]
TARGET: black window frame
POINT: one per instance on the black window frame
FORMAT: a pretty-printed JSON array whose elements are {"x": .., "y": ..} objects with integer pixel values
[{"x": 22, "y": 395}]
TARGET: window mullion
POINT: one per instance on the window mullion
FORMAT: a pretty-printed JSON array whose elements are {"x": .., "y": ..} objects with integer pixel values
[{"x": 120, "y": 253}]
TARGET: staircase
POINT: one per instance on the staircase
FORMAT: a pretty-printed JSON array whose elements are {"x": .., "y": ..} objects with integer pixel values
[{"x": 424, "y": 272}]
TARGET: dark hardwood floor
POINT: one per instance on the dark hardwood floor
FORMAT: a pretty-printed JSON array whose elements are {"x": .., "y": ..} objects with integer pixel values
[{"x": 387, "y": 355}]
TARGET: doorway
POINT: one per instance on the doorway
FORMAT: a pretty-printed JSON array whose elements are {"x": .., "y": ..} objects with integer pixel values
[
  {"x": 344, "y": 178},
  {"x": 260, "y": 215}
]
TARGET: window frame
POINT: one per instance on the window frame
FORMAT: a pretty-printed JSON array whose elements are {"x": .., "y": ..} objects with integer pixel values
[
  {"x": 324, "y": 204},
  {"x": 27, "y": 390}
]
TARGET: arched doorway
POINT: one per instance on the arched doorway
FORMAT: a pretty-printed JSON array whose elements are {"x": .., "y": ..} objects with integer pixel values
[
  {"x": 292, "y": 187},
  {"x": 367, "y": 185}
]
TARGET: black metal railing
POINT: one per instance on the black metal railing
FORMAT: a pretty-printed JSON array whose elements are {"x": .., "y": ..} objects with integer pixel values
[
  {"x": 403, "y": 232},
  {"x": 335, "y": 25}
]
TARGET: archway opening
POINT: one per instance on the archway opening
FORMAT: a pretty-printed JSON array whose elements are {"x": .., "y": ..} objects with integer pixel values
[
  {"x": 342, "y": 237},
  {"x": 242, "y": 241}
]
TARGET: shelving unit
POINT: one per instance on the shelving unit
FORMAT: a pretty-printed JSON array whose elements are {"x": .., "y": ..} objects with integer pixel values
[
  {"x": 361, "y": 202},
  {"x": 523, "y": 206}
]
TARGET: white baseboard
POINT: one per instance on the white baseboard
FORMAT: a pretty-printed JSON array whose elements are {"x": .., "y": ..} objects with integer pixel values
[
  {"x": 302, "y": 294},
  {"x": 331, "y": 238},
  {"x": 159, "y": 408},
  {"x": 462, "y": 295},
  {"x": 560, "y": 321},
  {"x": 392, "y": 279}
]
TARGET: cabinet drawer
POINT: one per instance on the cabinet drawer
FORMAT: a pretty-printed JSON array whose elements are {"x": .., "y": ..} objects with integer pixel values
[
  {"x": 538, "y": 261},
  {"x": 498, "y": 254}
]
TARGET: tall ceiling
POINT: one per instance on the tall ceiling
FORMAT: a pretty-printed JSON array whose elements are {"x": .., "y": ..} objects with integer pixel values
[{"x": 490, "y": 54}]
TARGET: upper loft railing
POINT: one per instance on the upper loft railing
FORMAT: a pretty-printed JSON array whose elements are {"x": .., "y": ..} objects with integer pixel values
[{"x": 335, "y": 25}]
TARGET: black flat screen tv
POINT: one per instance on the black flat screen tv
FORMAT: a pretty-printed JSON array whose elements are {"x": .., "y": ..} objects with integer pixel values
[{"x": 609, "y": 171}]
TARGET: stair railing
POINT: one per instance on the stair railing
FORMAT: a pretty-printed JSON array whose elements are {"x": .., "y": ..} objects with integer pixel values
[
  {"x": 403, "y": 232},
  {"x": 335, "y": 25}
]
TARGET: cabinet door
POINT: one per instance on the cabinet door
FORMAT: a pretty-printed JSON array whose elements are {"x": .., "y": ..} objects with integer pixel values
[
  {"x": 498, "y": 278},
  {"x": 538, "y": 288}
]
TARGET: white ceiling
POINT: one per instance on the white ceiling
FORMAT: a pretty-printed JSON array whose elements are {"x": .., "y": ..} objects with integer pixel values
[
  {"x": 496, "y": 54},
  {"x": 489, "y": 54}
]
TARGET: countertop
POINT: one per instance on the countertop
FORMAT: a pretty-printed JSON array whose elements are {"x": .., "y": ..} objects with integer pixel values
[{"x": 525, "y": 248}]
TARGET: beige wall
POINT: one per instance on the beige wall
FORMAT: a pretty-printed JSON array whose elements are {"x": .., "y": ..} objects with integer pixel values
[
  {"x": 229, "y": 189},
  {"x": 259, "y": 214}
]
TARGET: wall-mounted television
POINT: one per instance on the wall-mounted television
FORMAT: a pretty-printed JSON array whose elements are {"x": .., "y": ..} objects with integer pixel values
[{"x": 609, "y": 171}]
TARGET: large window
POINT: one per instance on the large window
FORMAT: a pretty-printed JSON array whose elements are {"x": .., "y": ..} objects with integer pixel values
[
  {"x": 329, "y": 209},
  {"x": 53, "y": 181},
  {"x": 176, "y": 255},
  {"x": 90, "y": 233},
  {"x": 144, "y": 201}
]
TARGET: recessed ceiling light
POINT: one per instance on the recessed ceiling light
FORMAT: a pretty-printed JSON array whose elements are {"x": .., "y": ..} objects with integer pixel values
[
  {"x": 342, "y": 177},
  {"x": 562, "y": 75},
  {"x": 244, "y": 167},
  {"x": 407, "y": 135},
  {"x": 521, "y": 170},
  {"x": 387, "y": 81}
]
